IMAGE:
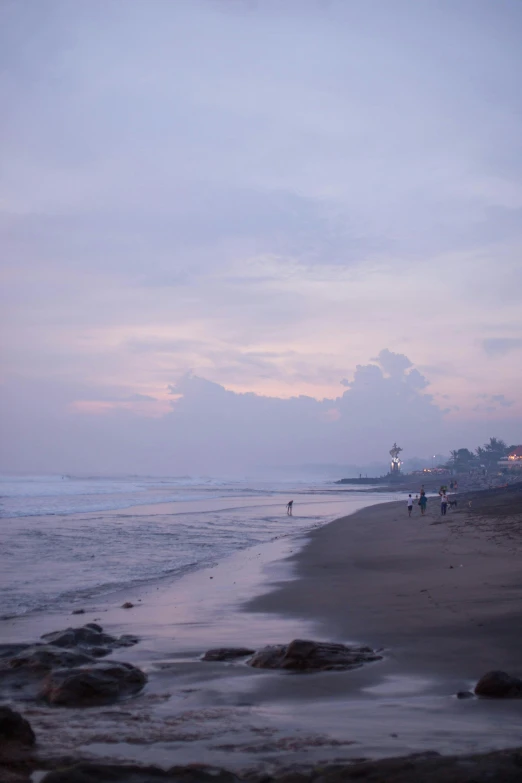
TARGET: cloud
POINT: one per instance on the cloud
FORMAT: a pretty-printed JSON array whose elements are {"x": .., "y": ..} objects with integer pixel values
[
  {"x": 211, "y": 428},
  {"x": 393, "y": 363},
  {"x": 498, "y": 400},
  {"x": 501, "y": 346},
  {"x": 208, "y": 428},
  {"x": 268, "y": 220},
  {"x": 492, "y": 403}
]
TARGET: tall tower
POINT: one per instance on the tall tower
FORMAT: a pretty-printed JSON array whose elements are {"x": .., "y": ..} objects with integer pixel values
[{"x": 395, "y": 464}]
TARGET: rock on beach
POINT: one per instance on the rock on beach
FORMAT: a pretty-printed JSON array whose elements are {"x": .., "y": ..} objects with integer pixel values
[
  {"x": 15, "y": 728},
  {"x": 88, "y": 637},
  {"x": 307, "y": 656},
  {"x": 101, "y": 683},
  {"x": 499, "y": 685},
  {"x": 132, "y": 773},
  {"x": 66, "y": 669},
  {"x": 227, "y": 653}
]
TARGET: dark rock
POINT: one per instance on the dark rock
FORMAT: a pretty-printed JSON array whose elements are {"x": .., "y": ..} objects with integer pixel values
[
  {"x": 499, "y": 685},
  {"x": 78, "y": 611},
  {"x": 47, "y": 656},
  {"x": 464, "y": 695},
  {"x": 99, "y": 652},
  {"x": 15, "y": 728},
  {"x": 227, "y": 653},
  {"x": 9, "y": 650},
  {"x": 100, "y": 683},
  {"x": 88, "y": 637},
  {"x": 301, "y": 655},
  {"x": 22, "y": 676},
  {"x": 132, "y": 773},
  {"x": 127, "y": 640},
  {"x": 502, "y": 766},
  {"x": 127, "y": 605}
]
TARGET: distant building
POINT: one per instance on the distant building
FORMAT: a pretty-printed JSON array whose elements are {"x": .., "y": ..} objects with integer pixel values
[{"x": 513, "y": 461}]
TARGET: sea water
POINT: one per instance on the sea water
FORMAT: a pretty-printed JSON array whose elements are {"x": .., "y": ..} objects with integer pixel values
[{"x": 67, "y": 539}]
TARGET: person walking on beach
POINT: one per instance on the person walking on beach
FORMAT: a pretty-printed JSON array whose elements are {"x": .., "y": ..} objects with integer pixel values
[
  {"x": 443, "y": 504},
  {"x": 289, "y": 507},
  {"x": 410, "y": 505},
  {"x": 423, "y": 502}
]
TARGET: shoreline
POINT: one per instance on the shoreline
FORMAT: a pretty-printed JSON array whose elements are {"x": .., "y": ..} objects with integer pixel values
[
  {"x": 357, "y": 579},
  {"x": 403, "y": 583},
  {"x": 144, "y": 545}
]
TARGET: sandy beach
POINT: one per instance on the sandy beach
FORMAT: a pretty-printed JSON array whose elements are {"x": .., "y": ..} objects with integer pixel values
[
  {"x": 439, "y": 597},
  {"x": 442, "y": 594}
]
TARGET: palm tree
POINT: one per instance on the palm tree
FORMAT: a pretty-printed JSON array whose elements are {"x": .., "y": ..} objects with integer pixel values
[
  {"x": 491, "y": 452},
  {"x": 461, "y": 459}
]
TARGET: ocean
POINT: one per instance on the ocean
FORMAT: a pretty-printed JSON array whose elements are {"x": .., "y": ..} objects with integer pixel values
[{"x": 68, "y": 539}]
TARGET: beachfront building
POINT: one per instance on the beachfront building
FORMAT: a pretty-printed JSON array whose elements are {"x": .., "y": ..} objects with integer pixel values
[{"x": 513, "y": 461}]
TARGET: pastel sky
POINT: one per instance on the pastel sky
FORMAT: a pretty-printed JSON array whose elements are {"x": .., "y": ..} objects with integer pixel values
[{"x": 315, "y": 205}]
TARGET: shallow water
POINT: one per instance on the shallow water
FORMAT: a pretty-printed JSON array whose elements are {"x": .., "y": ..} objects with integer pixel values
[{"x": 67, "y": 539}]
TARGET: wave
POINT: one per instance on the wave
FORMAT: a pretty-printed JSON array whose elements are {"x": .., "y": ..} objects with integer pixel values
[{"x": 31, "y": 496}]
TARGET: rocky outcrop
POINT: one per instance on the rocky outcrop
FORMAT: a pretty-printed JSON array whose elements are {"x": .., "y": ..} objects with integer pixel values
[
  {"x": 100, "y": 683},
  {"x": 499, "y": 685},
  {"x": 132, "y": 773},
  {"x": 10, "y": 650},
  {"x": 90, "y": 638},
  {"x": 15, "y": 728},
  {"x": 307, "y": 656},
  {"x": 227, "y": 653},
  {"x": 22, "y": 674},
  {"x": 428, "y": 767},
  {"x": 66, "y": 669},
  {"x": 46, "y": 656}
]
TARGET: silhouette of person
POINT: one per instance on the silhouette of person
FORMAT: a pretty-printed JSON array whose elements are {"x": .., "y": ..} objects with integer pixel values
[{"x": 289, "y": 507}]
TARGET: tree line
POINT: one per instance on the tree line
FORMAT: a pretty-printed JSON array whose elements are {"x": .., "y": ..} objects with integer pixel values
[{"x": 488, "y": 455}]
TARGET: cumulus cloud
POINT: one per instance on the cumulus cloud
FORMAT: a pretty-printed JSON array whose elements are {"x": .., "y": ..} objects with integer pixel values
[
  {"x": 393, "y": 363},
  {"x": 212, "y": 428}
]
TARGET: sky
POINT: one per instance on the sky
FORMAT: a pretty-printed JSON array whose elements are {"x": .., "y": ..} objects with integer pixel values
[{"x": 248, "y": 233}]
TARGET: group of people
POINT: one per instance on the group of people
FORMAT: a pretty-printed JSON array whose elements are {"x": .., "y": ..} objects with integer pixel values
[{"x": 422, "y": 501}]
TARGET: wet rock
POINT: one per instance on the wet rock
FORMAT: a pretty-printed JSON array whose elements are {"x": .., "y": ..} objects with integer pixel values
[
  {"x": 127, "y": 640},
  {"x": 132, "y": 773},
  {"x": 303, "y": 655},
  {"x": 100, "y": 683},
  {"x": 499, "y": 685},
  {"x": 47, "y": 656},
  {"x": 99, "y": 652},
  {"x": 227, "y": 653},
  {"x": 88, "y": 637},
  {"x": 78, "y": 611},
  {"x": 10, "y": 650},
  {"x": 22, "y": 675},
  {"x": 127, "y": 605},
  {"x": 15, "y": 728},
  {"x": 464, "y": 695}
]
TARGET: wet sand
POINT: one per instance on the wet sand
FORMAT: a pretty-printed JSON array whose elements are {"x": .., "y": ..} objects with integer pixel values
[{"x": 441, "y": 596}]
